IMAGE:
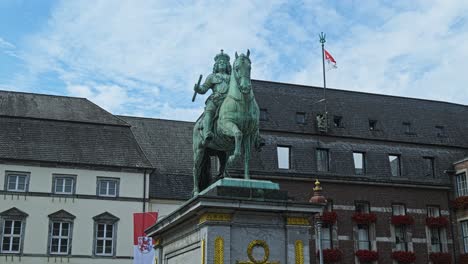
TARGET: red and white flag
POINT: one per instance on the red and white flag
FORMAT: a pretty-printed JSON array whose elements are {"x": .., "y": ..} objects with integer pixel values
[
  {"x": 330, "y": 60},
  {"x": 143, "y": 252}
]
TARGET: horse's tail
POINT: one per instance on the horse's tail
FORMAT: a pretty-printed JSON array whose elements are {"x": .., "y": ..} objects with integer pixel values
[{"x": 205, "y": 172}]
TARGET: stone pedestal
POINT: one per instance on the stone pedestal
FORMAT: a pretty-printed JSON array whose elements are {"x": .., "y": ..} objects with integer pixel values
[{"x": 236, "y": 221}]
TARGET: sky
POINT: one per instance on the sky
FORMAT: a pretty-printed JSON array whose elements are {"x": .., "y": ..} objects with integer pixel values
[{"x": 142, "y": 57}]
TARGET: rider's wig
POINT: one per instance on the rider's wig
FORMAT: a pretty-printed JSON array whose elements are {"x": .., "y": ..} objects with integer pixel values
[{"x": 215, "y": 67}]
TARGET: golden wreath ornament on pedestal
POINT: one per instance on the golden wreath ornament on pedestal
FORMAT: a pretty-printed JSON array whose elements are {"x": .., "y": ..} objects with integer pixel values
[{"x": 266, "y": 256}]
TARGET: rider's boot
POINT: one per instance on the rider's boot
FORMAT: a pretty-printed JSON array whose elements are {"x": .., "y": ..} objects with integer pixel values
[{"x": 207, "y": 128}]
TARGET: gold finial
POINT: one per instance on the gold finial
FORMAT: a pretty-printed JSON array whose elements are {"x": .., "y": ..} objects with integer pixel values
[{"x": 317, "y": 186}]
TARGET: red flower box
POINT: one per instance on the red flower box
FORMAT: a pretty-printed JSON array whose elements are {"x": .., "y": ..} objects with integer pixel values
[
  {"x": 332, "y": 255},
  {"x": 437, "y": 222},
  {"x": 329, "y": 217},
  {"x": 463, "y": 259},
  {"x": 460, "y": 203},
  {"x": 402, "y": 220},
  {"x": 366, "y": 256},
  {"x": 440, "y": 258},
  {"x": 361, "y": 218},
  {"x": 404, "y": 257}
]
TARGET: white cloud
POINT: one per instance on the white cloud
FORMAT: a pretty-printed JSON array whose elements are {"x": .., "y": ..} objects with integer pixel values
[
  {"x": 6, "y": 45},
  {"x": 142, "y": 57}
]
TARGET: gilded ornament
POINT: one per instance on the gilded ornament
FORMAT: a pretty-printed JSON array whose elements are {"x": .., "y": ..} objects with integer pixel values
[
  {"x": 203, "y": 251},
  {"x": 299, "y": 251},
  {"x": 219, "y": 251},
  {"x": 297, "y": 221},
  {"x": 219, "y": 217},
  {"x": 266, "y": 256}
]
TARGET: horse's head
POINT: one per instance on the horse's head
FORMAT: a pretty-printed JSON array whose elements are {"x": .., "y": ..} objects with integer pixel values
[{"x": 241, "y": 71}]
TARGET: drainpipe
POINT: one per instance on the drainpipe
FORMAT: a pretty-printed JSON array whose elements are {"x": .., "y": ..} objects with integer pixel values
[
  {"x": 144, "y": 191},
  {"x": 450, "y": 175}
]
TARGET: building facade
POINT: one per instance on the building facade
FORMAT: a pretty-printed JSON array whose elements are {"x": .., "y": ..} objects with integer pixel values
[
  {"x": 384, "y": 163},
  {"x": 72, "y": 175},
  {"x": 392, "y": 169}
]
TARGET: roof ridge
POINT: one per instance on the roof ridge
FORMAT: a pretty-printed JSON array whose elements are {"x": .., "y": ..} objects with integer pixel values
[
  {"x": 41, "y": 94},
  {"x": 156, "y": 119},
  {"x": 359, "y": 92}
]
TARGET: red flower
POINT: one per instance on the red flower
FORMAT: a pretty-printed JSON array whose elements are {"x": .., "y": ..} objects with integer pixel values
[
  {"x": 402, "y": 220},
  {"x": 460, "y": 203},
  {"x": 404, "y": 257},
  {"x": 440, "y": 258},
  {"x": 437, "y": 222},
  {"x": 330, "y": 255},
  {"x": 365, "y": 256},
  {"x": 464, "y": 259},
  {"x": 362, "y": 218},
  {"x": 329, "y": 217}
]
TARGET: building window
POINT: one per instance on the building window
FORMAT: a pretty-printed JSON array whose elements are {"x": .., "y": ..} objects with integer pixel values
[
  {"x": 284, "y": 154},
  {"x": 464, "y": 228},
  {"x": 398, "y": 209},
  {"x": 434, "y": 232},
  {"x": 363, "y": 237},
  {"x": 322, "y": 160},
  {"x": 359, "y": 165},
  {"x": 300, "y": 117},
  {"x": 395, "y": 166},
  {"x": 429, "y": 167},
  {"x": 362, "y": 207},
  {"x": 105, "y": 226},
  {"x": 337, "y": 121},
  {"x": 64, "y": 184},
  {"x": 60, "y": 233},
  {"x": 401, "y": 242},
  {"x": 462, "y": 188},
  {"x": 12, "y": 232},
  {"x": 372, "y": 125},
  {"x": 108, "y": 187},
  {"x": 11, "y": 236},
  {"x": 17, "y": 181},
  {"x": 407, "y": 128},
  {"x": 440, "y": 131},
  {"x": 60, "y": 238},
  {"x": 263, "y": 115},
  {"x": 327, "y": 236}
]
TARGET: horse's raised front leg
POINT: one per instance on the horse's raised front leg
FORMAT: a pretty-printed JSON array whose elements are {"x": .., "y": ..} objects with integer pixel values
[
  {"x": 231, "y": 129},
  {"x": 247, "y": 146}
]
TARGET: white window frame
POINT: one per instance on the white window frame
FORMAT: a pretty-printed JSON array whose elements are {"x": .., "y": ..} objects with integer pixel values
[
  {"x": 367, "y": 240},
  {"x": 9, "y": 174},
  {"x": 279, "y": 151},
  {"x": 398, "y": 159},
  {"x": 326, "y": 160},
  {"x": 404, "y": 233},
  {"x": 105, "y": 239},
  {"x": 398, "y": 209},
  {"x": 461, "y": 184},
  {"x": 60, "y": 237},
  {"x": 362, "y": 163},
  {"x": 464, "y": 233},
  {"x": 101, "y": 180},
  {"x": 327, "y": 229},
  {"x": 63, "y": 177},
  {"x": 11, "y": 235}
]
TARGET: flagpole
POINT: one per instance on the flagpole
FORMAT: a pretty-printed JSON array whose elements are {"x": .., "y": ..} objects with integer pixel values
[{"x": 322, "y": 40}]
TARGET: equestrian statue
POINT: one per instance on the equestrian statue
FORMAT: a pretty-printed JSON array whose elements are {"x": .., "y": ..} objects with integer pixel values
[{"x": 228, "y": 128}]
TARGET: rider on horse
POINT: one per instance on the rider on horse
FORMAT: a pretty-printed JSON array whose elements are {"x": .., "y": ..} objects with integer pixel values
[{"x": 218, "y": 81}]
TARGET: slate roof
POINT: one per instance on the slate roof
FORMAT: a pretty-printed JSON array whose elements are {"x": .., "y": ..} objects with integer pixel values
[
  {"x": 40, "y": 106},
  {"x": 168, "y": 144},
  {"x": 282, "y": 101},
  {"x": 65, "y": 130}
]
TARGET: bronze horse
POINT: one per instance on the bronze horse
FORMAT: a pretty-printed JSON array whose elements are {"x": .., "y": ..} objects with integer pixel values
[{"x": 236, "y": 129}]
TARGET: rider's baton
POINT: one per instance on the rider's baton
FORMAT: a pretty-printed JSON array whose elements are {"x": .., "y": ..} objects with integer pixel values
[{"x": 196, "y": 85}]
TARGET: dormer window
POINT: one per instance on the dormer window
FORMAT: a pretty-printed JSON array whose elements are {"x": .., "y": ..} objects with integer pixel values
[
  {"x": 300, "y": 117},
  {"x": 372, "y": 125},
  {"x": 440, "y": 131},
  {"x": 407, "y": 128},
  {"x": 263, "y": 115},
  {"x": 337, "y": 121}
]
